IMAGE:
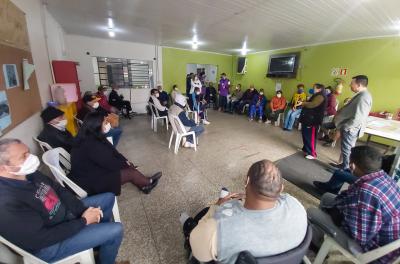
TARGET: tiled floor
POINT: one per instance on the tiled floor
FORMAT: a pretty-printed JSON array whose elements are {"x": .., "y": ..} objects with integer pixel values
[{"x": 192, "y": 179}]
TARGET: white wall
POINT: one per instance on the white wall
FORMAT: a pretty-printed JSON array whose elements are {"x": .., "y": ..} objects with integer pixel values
[
  {"x": 54, "y": 35},
  {"x": 78, "y": 46},
  {"x": 35, "y": 17}
]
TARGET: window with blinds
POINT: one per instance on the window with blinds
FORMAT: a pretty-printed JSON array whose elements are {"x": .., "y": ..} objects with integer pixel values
[{"x": 125, "y": 73}]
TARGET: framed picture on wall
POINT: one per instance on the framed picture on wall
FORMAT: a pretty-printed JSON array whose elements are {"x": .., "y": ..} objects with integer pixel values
[{"x": 10, "y": 75}]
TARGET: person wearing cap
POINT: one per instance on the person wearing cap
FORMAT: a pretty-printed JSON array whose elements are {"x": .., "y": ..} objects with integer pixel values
[
  {"x": 223, "y": 89},
  {"x": 178, "y": 109},
  {"x": 117, "y": 100},
  {"x": 54, "y": 132},
  {"x": 103, "y": 102},
  {"x": 91, "y": 104}
]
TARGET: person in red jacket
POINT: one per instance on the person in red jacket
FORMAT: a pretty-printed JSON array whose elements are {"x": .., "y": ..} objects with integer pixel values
[
  {"x": 103, "y": 102},
  {"x": 277, "y": 106}
]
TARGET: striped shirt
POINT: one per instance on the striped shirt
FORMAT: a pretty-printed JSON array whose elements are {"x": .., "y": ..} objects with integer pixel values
[{"x": 371, "y": 212}]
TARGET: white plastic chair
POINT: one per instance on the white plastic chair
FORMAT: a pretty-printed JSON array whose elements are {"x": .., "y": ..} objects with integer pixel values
[
  {"x": 330, "y": 244},
  {"x": 84, "y": 257},
  {"x": 194, "y": 114},
  {"x": 155, "y": 117},
  {"x": 52, "y": 158},
  {"x": 44, "y": 146},
  {"x": 179, "y": 130}
]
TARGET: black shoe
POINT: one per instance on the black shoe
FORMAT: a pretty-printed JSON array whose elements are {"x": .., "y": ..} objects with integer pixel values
[
  {"x": 323, "y": 186},
  {"x": 148, "y": 188},
  {"x": 156, "y": 176},
  {"x": 335, "y": 165}
]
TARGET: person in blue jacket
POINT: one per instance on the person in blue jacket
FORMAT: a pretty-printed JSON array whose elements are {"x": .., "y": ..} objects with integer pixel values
[{"x": 257, "y": 106}]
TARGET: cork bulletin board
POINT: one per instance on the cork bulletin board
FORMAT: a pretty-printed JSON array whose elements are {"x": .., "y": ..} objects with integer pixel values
[{"x": 14, "y": 48}]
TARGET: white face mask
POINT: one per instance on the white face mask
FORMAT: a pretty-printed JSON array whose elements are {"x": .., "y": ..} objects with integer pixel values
[
  {"x": 107, "y": 128},
  {"x": 29, "y": 166},
  {"x": 197, "y": 93},
  {"x": 279, "y": 95},
  {"x": 261, "y": 93},
  {"x": 96, "y": 105},
  {"x": 157, "y": 95},
  {"x": 62, "y": 123}
]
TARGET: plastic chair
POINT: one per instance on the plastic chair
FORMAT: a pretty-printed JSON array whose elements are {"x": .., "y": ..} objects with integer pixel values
[
  {"x": 155, "y": 117},
  {"x": 293, "y": 256},
  {"x": 53, "y": 158},
  {"x": 336, "y": 240},
  {"x": 179, "y": 130},
  {"x": 44, "y": 146},
  {"x": 84, "y": 257},
  {"x": 194, "y": 114}
]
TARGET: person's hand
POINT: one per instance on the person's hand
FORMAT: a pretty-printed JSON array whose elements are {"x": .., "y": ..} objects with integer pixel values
[
  {"x": 92, "y": 215},
  {"x": 230, "y": 197},
  {"x": 299, "y": 103}
]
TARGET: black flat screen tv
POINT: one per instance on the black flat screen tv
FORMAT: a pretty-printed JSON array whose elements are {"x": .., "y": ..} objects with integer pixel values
[{"x": 283, "y": 65}]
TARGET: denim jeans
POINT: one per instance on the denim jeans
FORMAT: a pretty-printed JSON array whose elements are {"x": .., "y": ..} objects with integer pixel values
[
  {"x": 256, "y": 109},
  {"x": 232, "y": 105},
  {"x": 339, "y": 177},
  {"x": 223, "y": 101},
  {"x": 115, "y": 133},
  {"x": 197, "y": 130},
  {"x": 348, "y": 141},
  {"x": 291, "y": 117},
  {"x": 106, "y": 235}
]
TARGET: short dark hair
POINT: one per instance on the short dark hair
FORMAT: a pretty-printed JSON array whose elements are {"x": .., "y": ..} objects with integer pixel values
[
  {"x": 239, "y": 85},
  {"x": 265, "y": 179},
  {"x": 174, "y": 86},
  {"x": 300, "y": 85},
  {"x": 361, "y": 80},
  {"x": 223, "y": 74},
  {"x": 366, "y": 158},
  {"x": 279, "y": 92},
  {"x": 153, "y": 91}
]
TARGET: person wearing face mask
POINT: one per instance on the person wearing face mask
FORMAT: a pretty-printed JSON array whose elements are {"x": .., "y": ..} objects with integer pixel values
[
  {"x": 237, "y": 222},
  {"x": 154, "y": 99},
  {"x": 276, "y": 107},
  {"x": 97, "y": 167},
  {"x": 247, "y": 98},
  {"x": 91, "y": 104},
  {"x": 257, "y": 106},
  {"x": 311, "y": 118},
  {"x": 223, "y": 89},
  {"x": 54, "y": 132},
  {"x": 199, "y": 106},
  {"x": 46, "y": 219},
  {"x": 163, "y": 96},
  {"x": 235, "y": 98},
  {"x": 174, "y": 92},
  {"x": 368, "y": 211},
  {"x": 294, "y": 111}
]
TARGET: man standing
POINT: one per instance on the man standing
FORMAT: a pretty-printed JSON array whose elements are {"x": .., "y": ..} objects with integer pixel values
[
  {"x": 47, "y": 220},
  {"x": 223, "y": 90},
  {"x": 351, "y": 119}
]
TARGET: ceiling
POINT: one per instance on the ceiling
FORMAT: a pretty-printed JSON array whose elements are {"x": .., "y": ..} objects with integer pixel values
[{"x": 223, "y": 25}]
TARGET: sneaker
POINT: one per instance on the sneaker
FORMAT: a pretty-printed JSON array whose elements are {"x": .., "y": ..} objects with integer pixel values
[
  {"x": 259, "y": 121},
  {"x": 251, "y": 119},
  {"x": 189, "y": 145},
  {"x": 268, "y": 122},
  {"x": 205, "y": 122},
  {"x": 335, "y": 165},
  {"x": 310, "y": 157},
  {"x": 183, "y": 217},
  {"x": 325, "y": 187}
]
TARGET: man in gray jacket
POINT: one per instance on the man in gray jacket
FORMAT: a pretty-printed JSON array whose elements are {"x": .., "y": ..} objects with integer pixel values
[{"x": 351, "y": 120}]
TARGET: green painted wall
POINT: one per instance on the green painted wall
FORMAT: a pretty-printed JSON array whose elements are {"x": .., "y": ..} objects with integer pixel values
[
  {"x": 174, "y": 65},
  {"x": 379, "y": 59}
]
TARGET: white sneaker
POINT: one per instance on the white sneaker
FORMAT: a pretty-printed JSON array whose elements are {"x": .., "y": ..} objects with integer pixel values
[
  {"x": 189, "y": 145},
  {"x": 205, "y": 122},
  {"x": 268, "y": 122},
  {"x": 310, "y": 157}
]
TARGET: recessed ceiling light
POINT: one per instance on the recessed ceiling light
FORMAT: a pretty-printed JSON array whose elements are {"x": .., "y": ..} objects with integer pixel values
[
  {"x": 111, "y": 33},
  {"x": 110, "y": 23}
]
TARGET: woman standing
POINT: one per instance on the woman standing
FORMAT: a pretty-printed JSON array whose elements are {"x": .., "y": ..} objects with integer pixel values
[
  {"x": 97, "y": 167},
  {"x": 311, "y": 118},
  {"x": 195, "y": 83}
]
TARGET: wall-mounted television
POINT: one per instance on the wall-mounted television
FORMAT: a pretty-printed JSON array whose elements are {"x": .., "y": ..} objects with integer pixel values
[
  {"x": 283, "y": 65},
  {"x": 242, "y": 65}
]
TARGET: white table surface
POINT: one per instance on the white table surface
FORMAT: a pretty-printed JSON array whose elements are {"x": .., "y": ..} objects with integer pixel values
[{"x": 385, "y": 128}]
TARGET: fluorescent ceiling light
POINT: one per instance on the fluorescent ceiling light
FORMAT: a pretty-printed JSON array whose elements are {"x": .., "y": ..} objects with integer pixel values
[
  {"x": 111, "y": 33},
  {"x": 243, "y": 51},
  {"x": 110, "y": 23}
]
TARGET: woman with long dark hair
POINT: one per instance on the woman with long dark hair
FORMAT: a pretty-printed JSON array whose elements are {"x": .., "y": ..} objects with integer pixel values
[{"x": 98, "y": 167}]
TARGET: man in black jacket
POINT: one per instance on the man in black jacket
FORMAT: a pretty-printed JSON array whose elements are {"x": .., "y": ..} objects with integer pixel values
[
  {"x": 118, "y": 101},
  {"x": 45, "y": 219},
  {"x": 54, "y": 132}
]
